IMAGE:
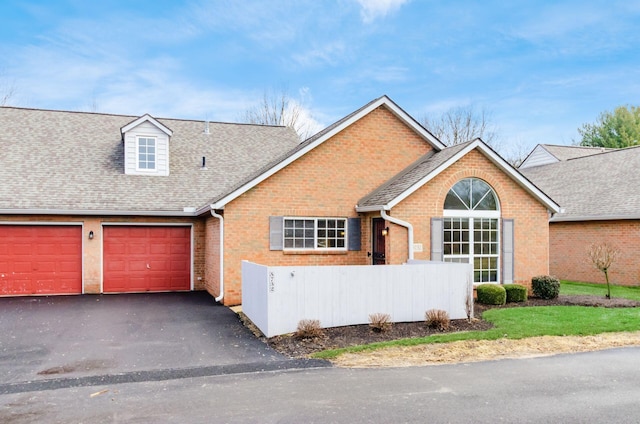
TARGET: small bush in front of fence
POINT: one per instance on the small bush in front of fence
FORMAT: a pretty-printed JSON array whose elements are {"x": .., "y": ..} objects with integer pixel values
[
  {"x": 491, "y": 294},
  {"x": 515, "y": 293},
  {"x": 438, "y": 319},
  {"x": 308, "y": 329},
  {"x": 545, "y": 286},
  {"x": 380, "y": 322}
]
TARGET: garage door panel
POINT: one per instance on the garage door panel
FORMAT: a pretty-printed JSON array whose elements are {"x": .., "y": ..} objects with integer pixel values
[
  {"x": 20, "y": 249},
  {"x": 146, "y": 259},
  {"x": 40, "y": 259},
  {"x": 159, "y": 249}
]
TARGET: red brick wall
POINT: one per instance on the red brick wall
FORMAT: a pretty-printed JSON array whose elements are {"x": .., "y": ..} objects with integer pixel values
[
  {"x": 92, "y": 249},
  {"x": 530, "y": 217},
  {"x": 570, "y": 241},
  {"x": 328, "y": 181}
]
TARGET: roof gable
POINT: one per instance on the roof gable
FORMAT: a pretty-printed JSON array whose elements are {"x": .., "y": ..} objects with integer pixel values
[
  {"x": 546, "y": 154},
  {"x": 432, "y": 164},
  {"x": 146, "y": 118},
  {"x": 321, "y": 137}
]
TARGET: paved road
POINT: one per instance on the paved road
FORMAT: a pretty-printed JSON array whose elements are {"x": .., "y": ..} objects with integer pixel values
[{"x": 594, "y": 387}]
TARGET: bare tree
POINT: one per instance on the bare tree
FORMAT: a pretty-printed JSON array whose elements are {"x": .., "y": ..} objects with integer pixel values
[
  {"x": 516, "y": 153},
  {"x": 462, "y": 123},
  {"x": 603, "y": 255},
  {"x": 7, "y": 91},
  {"x": 279, "y": 109}
]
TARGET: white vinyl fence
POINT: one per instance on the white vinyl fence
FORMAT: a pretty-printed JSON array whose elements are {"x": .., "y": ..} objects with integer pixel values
[{"x": 276, "y": 298}]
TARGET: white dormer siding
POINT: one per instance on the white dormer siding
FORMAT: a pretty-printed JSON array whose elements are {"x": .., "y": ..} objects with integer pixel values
[
  {"x": 146, "y": 147},
  {"x": 539, "y": 156}
]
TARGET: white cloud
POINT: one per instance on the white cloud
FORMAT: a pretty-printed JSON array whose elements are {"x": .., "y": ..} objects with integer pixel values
[
  {"x": 374, "y": 9},
  {"x": 328, "y": 54}
]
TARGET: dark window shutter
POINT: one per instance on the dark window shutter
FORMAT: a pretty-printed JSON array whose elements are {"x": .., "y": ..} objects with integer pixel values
[
  {"x": 437, "y": 234},
  {"x": 275, "y": 232},
  {"x": 355, "y": 233},
  {"x": 507, "y": 251}
]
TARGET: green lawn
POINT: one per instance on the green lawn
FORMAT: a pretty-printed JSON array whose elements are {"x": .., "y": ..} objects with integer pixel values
[
  {"x": 576, "y": 288},
  {"x": 518, "y": 323}
]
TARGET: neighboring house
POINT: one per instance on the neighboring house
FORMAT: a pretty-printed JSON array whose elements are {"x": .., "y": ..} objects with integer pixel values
[
  {"x": 102, "y": 203},
  {"x": 545, "y": 154},
  {"x": 600, "y": 199}
]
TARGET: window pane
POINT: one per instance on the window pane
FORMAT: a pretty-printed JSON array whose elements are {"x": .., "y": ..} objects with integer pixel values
[
  {"x": 488, "y": 203},
  {"x": 453, "y": 202},
  {"x": 463, "y": 189},
  {"x": 478, "y": 190}
]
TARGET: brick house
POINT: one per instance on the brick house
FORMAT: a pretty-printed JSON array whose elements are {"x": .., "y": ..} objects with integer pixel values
[
  {"x": 105, "y": 203},
  {"x": 598, "y": 191}
]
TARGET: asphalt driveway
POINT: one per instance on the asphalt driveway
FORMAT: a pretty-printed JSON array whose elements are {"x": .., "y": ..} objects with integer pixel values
[{"x": 90, "y": 339}]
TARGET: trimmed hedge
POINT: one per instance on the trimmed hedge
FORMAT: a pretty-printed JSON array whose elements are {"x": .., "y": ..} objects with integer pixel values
[
  {"x": 515, "y": 293},
  {"x": 545, "y": 286},
  {"x": 491, "y": 294}
]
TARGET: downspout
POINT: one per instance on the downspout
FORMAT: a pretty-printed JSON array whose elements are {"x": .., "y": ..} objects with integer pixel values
[
  {"x": 215, "y": 215},
  {"x": 405, "y": 224}
]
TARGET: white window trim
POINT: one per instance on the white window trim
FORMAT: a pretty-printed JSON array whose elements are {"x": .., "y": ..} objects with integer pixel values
[
  {"x": 471, "y": 215},
  {"x": 153, "y": 170},
  {"x": 454, "y": 213},
  {"x": 315, "y": 234}
]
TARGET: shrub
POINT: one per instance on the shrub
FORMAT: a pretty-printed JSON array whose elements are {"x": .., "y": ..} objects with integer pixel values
[
  {"x": 545, "y": 286},
  {"x": 491, "y": 294},
  {"x": 380, "y": 322},
  {"x": 438, "y": 319},
  {"x": 308, "y": 329},
  {"x": 515, "y": 293}
]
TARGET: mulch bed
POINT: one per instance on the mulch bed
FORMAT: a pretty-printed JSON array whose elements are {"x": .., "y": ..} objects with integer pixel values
[{"x": 354, "y": 335}]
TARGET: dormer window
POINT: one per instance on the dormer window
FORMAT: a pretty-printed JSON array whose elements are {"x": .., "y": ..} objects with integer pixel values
[
  {"x": 146, "y": 147},
  {"x": 146, "y": 153}
]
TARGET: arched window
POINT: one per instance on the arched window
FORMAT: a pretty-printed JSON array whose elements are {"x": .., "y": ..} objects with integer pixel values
[{"x": 471, "y": 233}]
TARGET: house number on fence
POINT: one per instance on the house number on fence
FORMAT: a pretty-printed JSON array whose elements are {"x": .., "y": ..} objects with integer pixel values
[{"x": 272, "y": 282}]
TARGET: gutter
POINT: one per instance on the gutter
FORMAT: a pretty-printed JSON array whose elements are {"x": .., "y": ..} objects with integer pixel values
[
  {"x": 560, "y": 218},
  {"x": 405, "y": 224},
  {"x": 188, "y": 212},
  {"x": 215, "y": 215}
]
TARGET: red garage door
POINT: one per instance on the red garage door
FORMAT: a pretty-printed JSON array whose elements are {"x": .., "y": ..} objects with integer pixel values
[
  {"x": 142, "y": 259},
  {"x": 40, "y": 259}
]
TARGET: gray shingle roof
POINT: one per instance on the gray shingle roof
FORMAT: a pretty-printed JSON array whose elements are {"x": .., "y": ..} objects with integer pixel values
[
  {"x": 571, "y": 152},
  {"x": 600, "y": 186},
  {"x": 410, "y": 176},
  {"x": 75, "y": 161}
]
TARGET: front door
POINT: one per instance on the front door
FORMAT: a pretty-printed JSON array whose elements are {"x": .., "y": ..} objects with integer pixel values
[{"x": 379, "y": 237}]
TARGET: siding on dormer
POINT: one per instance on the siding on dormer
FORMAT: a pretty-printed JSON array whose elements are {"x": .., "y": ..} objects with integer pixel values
[{"x": 146, "y": 129}]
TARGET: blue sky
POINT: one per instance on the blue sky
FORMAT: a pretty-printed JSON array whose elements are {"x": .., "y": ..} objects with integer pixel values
[{"x": 541, "y": 68}]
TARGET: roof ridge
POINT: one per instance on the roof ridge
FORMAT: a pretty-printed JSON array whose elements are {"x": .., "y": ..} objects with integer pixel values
[
  {"x": 571, "y": 146},
  {"x": 134, "y": 117},
  {"x": 607, "y": 151}
]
